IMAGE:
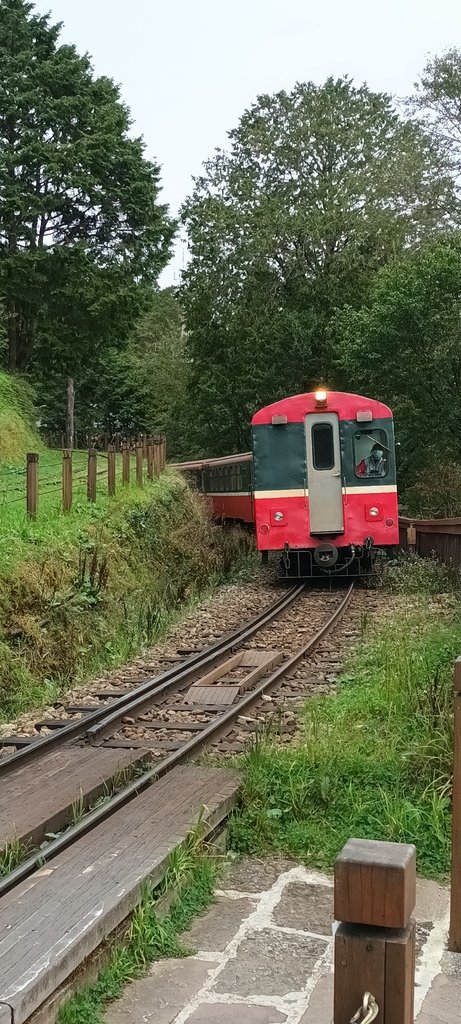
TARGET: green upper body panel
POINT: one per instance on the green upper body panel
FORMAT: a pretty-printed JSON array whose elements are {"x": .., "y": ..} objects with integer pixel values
[{"x": 279, "y": 454}]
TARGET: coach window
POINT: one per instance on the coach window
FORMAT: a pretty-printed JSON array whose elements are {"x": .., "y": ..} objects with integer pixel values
[
  {"x": 323, "y": 446},
  {"x": 371, "y": 448}
]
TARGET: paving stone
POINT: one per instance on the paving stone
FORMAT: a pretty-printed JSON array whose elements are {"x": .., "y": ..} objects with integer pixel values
[
  {"x": 158, "y": 998},
  {"x": 441, "y": 1005},
  {"x": 214, "y": 929},
  {"x": 305, "y": 906},
  {"x": 320, "y": 1009},
  {"x": 252, "y": 875},
  {"x": 270, "y": 963},
  {"x": 217, "y": 1013}
]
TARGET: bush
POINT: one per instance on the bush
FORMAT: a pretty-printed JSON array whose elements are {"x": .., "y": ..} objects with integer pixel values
[
  {"x": 435, "y": 495},
  {"x": 411, "y": 574}
]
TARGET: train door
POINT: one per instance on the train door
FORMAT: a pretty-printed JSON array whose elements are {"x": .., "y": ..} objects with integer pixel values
[{"x": 324, "y": 473}]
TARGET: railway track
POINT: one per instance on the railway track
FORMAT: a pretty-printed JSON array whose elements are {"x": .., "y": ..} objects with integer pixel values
[{"x": 169, "y": 718}]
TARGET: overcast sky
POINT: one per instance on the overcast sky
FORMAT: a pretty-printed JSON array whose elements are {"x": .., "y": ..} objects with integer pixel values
[{"x": 188, "y": 68}]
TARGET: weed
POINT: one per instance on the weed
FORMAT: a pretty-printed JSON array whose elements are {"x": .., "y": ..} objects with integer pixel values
[{"x": 13, "y": 854}]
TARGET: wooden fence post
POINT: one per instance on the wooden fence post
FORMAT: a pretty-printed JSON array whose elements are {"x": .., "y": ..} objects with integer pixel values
[
  {"x": 163, "y": 453},
  {"x": 125, "y": 463},
  {"x": 454, "y": 938},
  {"x": 156, "y": 458},
  {"x": 411, "y": 537},
  {"x": 150, "y": 458},
  {"x": 375, "y": 896},
  {"x": 67, "y": 480},
  {"x": 139, "y": 479},
  {"x": 111, "y": 469},
  {"x": 32, "y": 485},
  {"x": 92, "y": 470}
]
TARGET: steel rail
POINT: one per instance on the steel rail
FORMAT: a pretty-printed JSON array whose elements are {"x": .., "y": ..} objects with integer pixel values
[
  {"x": 141, "y": 702},
  {"x": 82, "y": 726},
  {"x": 213, "y": 729}
]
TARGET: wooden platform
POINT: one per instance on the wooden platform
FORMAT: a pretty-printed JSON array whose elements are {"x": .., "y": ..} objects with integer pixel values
[
  {"x": 57, "y": 917},
  {"x": 38, "y": 797}
]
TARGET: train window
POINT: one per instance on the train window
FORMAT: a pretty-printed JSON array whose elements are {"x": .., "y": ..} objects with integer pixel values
[
  {"x": 322, "y": 446},
  {"x": 371, "y": 449}
]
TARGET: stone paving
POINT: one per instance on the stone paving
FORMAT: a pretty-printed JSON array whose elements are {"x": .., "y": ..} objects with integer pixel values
[{"x": 264, "y": 956}]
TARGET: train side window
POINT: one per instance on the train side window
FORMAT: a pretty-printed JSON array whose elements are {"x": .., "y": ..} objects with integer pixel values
[
  {"x": 372, "y": 450},
  {"x": 322, "y": 446}
]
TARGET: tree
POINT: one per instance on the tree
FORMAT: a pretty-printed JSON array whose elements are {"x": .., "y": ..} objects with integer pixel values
[
  {"x": 404, "y": 346},
  {"x": 319, "y": 188},
  {"x": 75, "y": 188},
  {"x": 437, "y": 102},
  {"x": 144, "y": 386}
]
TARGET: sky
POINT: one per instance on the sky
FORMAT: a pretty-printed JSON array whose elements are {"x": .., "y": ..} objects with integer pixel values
[{"x": 189, "y": 68}]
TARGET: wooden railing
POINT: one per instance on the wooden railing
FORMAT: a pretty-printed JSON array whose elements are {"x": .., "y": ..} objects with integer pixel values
[{"x": 427, "y": 537}]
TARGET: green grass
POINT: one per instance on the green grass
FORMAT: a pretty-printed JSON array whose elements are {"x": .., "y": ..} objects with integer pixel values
[
  {"x": 373, "y": 762},
  {"x": 151, "y": 935}
]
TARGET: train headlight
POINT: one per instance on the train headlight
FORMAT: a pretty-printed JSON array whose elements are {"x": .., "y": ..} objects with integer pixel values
[
  {"x": 373, "y": 511},
  {"x": 320, "y": 398},
  {"x": 278, "y": 516}
]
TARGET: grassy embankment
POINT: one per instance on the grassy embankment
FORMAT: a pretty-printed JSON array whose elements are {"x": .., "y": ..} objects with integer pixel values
[
  {"x": 375, "y": 760},
  {"x": 84, "y": 591}
]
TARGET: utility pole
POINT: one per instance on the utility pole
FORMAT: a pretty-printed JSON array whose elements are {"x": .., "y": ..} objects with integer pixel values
[{"x": 70, "y": 413}]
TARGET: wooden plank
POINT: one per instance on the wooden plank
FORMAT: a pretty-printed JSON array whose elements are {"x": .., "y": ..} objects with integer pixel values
[
  {"x": 264, "y": 666},
  {"x": 360, "y": 956},
  {"x": 35, "y": 799},
  {"x": 178, "y": 726},
  {"x": 17, "y": 741},
  {"x": 219, "y": 695},
  {"x": 99, "y": 880},
  {"x": 221, "y": 670},
  {"x": 146, "y": 742},
  {"x": 252, "y": 658},
  {"x": 206, "y": 708}
]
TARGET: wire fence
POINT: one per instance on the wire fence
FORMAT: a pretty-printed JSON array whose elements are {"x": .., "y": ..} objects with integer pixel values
[{"x": 68, "y": 475}]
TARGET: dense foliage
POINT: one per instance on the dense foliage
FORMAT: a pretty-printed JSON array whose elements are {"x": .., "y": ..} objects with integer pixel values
[
  {"x": 321, "y": 187},
  {"x": 83, "y": 235}
]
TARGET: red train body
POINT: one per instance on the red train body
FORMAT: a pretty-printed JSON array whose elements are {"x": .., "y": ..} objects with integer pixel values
[{"x": 320, "y": 484}]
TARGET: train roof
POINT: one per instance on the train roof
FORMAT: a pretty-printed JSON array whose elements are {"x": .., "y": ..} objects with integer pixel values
[{"x": 298, "y": 406}]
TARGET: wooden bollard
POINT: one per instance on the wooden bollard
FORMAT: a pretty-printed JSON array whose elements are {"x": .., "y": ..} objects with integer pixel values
[
  {"x": 67, "y": 480},
  {"x": 454, "y": 938},
  {"x": 111, "y": 469},
  {"x": 375, "y": 896},
  {"x": 92, "y": 470},
  {"x": 126, "y": 457},
  {"x": 32, "y": 485},
  {"x": 139, "y": 450}
]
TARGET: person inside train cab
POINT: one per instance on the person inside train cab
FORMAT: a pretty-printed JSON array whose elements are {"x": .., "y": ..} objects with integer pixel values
[{"x": 374, "y": 464}]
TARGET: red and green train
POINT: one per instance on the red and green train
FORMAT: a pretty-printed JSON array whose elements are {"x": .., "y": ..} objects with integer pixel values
[{"x": 319, "y": 485}]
